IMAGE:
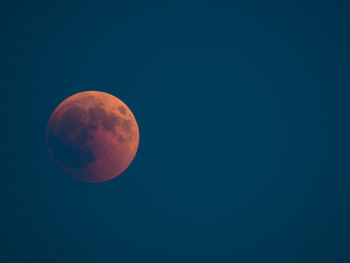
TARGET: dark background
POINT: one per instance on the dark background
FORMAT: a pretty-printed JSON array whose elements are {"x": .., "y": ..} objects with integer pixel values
[{"x": 243, "y": 110}]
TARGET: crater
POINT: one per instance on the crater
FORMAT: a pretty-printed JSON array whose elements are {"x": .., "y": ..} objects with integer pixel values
[
  {"x": 109, "y": 122},
  {"x": 122, "y": 109},
  {"x": 126, "y": 125},
  {"x": 97, "y": 113},
  {"x": 121, "y": 138}
]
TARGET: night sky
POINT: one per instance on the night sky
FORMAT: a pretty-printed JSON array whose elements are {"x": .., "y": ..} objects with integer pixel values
[{"x": 243, "y": 110}]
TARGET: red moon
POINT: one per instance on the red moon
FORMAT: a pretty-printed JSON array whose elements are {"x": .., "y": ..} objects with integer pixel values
[{"x": 92, "y": 136}]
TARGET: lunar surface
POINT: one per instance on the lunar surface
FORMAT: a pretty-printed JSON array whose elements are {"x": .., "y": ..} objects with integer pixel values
[{"x": 92, "y": 136}]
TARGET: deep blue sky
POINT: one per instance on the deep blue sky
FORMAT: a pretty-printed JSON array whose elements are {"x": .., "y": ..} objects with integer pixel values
[{"x": 243, "y": 109}]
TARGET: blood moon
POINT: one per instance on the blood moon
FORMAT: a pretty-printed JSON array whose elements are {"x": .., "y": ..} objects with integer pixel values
[{"x": 92, "y": 136}]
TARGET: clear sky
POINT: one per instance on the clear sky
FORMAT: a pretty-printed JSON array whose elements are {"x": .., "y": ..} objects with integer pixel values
[{"x": 243, "y": 109}]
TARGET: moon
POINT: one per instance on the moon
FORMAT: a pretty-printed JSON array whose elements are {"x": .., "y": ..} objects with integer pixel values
[{"x": 92, "y": 136}]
